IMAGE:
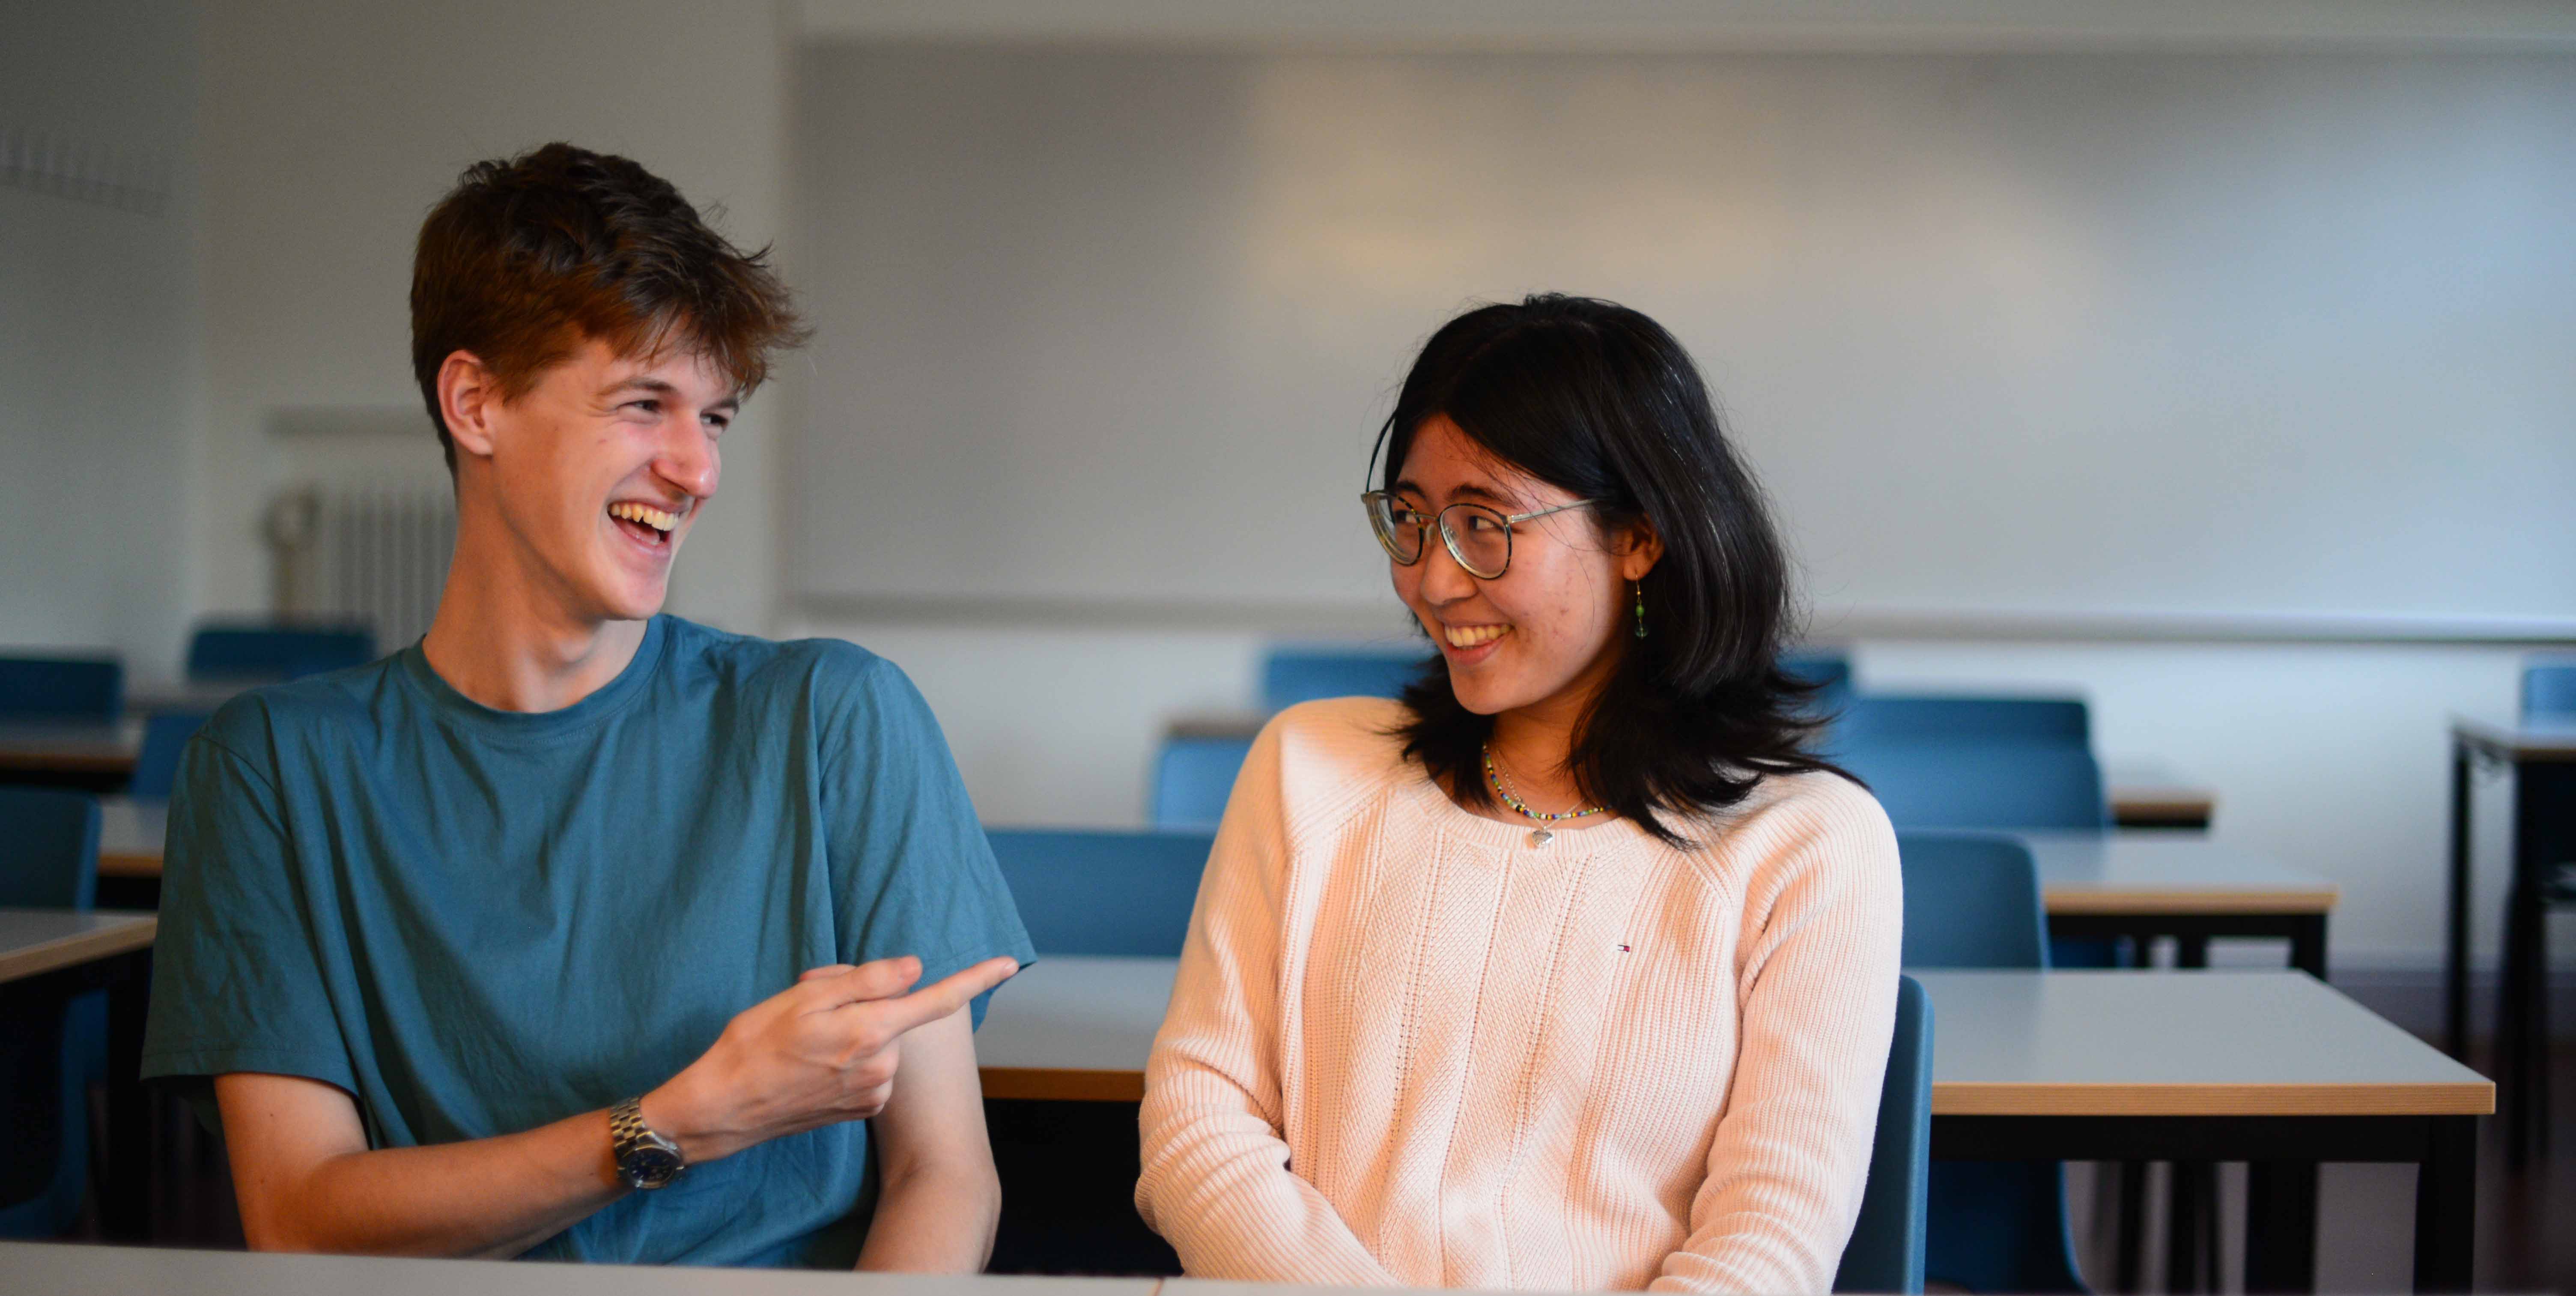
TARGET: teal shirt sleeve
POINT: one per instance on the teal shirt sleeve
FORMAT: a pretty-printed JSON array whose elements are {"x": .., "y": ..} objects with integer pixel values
[
  {"x": 236, "y": 985},
  {"x": 909, "y": 857}
]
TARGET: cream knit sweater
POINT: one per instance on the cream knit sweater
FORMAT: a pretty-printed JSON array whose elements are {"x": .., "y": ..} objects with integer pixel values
[{"x": 1408, "y": 1047}]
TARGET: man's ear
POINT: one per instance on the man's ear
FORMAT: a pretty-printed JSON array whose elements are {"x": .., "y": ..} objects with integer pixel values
[
  {"x": 468, "y": 396},
  {"x": 1640, "y": 548}
]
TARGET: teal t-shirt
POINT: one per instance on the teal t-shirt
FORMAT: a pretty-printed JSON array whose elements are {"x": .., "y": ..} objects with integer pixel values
[{"x": 476, "y": 922}]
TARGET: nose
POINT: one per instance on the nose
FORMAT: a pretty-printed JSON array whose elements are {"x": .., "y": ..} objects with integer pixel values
[
  {"x": 688, "y": 459},
  {"x": 1443, "y": 580}
]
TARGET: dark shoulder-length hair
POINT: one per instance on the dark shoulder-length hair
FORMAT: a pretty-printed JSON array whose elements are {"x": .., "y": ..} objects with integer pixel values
[{"x": 1599, "y": 400}]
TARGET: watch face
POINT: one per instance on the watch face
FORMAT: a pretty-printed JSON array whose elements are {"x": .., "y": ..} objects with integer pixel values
[{"x": 650, "y": 1167}]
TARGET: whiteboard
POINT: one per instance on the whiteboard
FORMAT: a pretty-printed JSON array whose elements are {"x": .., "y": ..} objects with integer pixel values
[{"x": 2162, "y": 333}]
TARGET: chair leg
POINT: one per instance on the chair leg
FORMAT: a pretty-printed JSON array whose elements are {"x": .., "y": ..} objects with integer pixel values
[{"x": 2129, "y": 1248}]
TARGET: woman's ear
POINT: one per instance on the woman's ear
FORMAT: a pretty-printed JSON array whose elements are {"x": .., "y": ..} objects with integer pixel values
[{"x": 1640, "y": 548}]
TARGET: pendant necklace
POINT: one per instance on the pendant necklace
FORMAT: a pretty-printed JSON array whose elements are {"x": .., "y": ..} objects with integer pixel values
[{"x": 1502, "y": 785}]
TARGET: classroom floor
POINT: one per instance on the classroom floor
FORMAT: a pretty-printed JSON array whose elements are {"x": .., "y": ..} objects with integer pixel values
[{"x": 2364, "y": 1243}]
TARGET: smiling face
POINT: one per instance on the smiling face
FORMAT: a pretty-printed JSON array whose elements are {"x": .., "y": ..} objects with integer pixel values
[
  {"x": 594, "y": 475},
  {"x": 1547, "y": 632}
]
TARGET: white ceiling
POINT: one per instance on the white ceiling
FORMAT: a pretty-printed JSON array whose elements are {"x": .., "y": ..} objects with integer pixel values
[{"x": 2540, "y": 25}]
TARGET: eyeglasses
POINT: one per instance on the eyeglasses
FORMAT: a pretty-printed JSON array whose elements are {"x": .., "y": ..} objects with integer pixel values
[{"x": 1480, "y": 538}]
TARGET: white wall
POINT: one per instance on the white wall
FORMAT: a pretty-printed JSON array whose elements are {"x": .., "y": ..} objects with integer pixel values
[
  {"x": 2243, "y": 334},
  {"x": 1106, "y": 330},
  {"x": 329, "y": 130},
  {"x": 97, "y": 345}
]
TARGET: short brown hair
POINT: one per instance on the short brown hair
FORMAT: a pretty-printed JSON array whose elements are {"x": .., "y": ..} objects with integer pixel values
[{"x": 530, "y": 256}]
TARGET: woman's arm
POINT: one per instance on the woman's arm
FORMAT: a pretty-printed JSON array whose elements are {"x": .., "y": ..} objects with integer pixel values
[
  {"x": 1216, "y": 1182},
  {"x": 1818, "y": 993}
]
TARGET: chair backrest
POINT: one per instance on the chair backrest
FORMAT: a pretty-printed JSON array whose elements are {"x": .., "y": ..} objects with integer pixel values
[
  {"x": 61, "y": 690},
  {"x": 48, "y": 849},
  {"x": 156, "y": 767},
  {"x": 1830, "y": 672},
  {"x": 1192, "y": 779},
  {"x": 1876, "y": 718},
  {"x": 1120, "y": 894},
  {"x": 2549, "y": 690},
  {"x": 1291, "y": 676},
  {"x": 1981, "y": 785},
  {"x": 1972, "y": 900},
  {"x": 252, "y": 651},
  {"x": 1885, "y": 1253}
]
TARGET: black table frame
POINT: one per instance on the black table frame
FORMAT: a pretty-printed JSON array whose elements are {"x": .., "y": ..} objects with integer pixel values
[
  {"x": 2522, "y": 1087},
  {"x": 2193, "y": 931},
  {"x": 124, "y": 1195},
  {"x": 2283, "y": 1153},
  {"x": 2191, "y": 1227}
]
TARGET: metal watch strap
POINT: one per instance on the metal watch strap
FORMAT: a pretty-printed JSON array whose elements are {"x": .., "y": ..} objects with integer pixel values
[{"x": 645, "y": 1159}]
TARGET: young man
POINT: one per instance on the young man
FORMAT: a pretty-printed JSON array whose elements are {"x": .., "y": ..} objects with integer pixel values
[{"x": 573, "y": 930}]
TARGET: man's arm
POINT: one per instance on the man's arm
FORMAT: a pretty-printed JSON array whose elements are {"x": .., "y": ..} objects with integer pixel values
[
  {"x": 940, "y": 1199},
  {"x": 823, "y": 1051}
]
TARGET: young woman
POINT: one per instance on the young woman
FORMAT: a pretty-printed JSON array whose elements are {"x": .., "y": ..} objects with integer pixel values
[{"x": 1572, "y": 970}]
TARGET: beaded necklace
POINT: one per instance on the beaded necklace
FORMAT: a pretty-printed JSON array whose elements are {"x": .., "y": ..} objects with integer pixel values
[{"x": 1502, "y": 785}]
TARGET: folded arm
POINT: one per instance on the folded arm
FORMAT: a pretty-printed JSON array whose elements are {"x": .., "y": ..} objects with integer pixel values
[
  {"x": 1216, "y": 1181},
  {"x": 1817, "y": 1008}
]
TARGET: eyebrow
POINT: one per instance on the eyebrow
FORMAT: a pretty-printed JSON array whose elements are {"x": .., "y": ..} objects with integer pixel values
[
  {"x": 1470, "y": 491},
  {"x": 657, "y": 387}
]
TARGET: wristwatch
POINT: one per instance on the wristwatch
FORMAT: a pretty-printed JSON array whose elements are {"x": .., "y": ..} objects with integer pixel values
[{"x": 644, "y": 1159}]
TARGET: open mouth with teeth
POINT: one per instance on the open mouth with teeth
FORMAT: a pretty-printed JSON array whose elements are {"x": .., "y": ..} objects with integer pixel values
[
  {"x": 1475, "y": 636},
  {"x": 644, "y": 522}
]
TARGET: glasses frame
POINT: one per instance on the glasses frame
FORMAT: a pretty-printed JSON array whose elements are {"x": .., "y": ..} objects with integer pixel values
[{"x": 1370, "y": 500}]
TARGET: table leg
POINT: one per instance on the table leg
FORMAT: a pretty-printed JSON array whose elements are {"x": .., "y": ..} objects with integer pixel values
[
  {"x": 125, "y": 1200},
  {"x": 2455, "y": 947},
  {"x": 2281, "y": 1226},
  {"x": 2446, "y": 1198},
  {"x": 2308, "y": 945}
]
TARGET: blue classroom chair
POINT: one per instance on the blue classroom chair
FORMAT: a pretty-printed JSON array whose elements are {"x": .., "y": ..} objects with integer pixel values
[
  {"x": 1885, "y": 1253},
  {"x": 1980, "y": 784},
  {"x": 1972, "y": 900},
  {"x": 248, "y": 650},
  {"x": 48, "y": 860},
  {"x": 1878, "y": 718},
  {"x": 1830, "y": 672},
  {"x": 1115, "y": 894},
  {"x": 1192, "y": 779},
  {"x": 156, "y": 769},
  {"x": 1291, "y": 676},
  {"x": 61, "y": 690},
  {"x": 2549, "y": 690}
]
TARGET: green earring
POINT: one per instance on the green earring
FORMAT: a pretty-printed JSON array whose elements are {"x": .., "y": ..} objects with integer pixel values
[{"x": 1641, "y": 611}]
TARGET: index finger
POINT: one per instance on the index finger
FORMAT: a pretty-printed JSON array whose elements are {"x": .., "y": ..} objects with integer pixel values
[{"x": 943, "y": 997}]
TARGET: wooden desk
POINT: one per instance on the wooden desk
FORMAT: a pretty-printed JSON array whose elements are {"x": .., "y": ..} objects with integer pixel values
[
  {"x": 2149, "y": 884},
  {"x": 61, "y": 1269},
  {"x": 2542, "y": 757},
  {"x": 92, "y": 757},
  {"x": 131, "y": 834},
  {"x": 2149, "y": 794},
  {"x": 34, "y": 942},
  {"x": 2272, "y": 1068},
  {"x": 49, "y": 957}
]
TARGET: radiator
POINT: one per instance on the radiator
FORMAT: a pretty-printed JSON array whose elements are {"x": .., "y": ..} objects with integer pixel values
[{"x": 372, "y": 555}]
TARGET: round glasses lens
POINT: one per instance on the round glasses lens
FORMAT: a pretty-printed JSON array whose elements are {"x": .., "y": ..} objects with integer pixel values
[
  {"x": 1395, "y": 529},
  {"x": 1480, "y": 537}
]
